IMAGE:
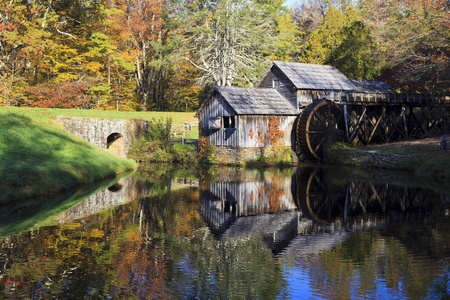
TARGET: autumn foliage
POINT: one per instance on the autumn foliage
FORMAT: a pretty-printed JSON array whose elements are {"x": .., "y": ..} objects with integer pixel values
[
  {"x": 167, "y": 55},
  {"x": 65, "y": 95}
]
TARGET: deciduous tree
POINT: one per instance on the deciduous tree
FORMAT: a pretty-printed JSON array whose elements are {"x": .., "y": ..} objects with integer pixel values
[{"x": 415, "y": 38}]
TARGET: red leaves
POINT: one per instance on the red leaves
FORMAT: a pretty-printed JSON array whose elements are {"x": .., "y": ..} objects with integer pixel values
[
  {"x": 8, "y": 27},
  {"x": 59, "y": 95}
]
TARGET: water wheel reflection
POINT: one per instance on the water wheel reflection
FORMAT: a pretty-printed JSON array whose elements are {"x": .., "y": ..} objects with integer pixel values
[
  {"x": 324, "y": 197},
  {"x": 319, "y": 199}
]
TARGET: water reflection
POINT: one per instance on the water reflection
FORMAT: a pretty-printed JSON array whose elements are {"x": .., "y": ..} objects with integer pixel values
[
  {"x": 241, "y": 234},
  {"x": 279, "y": 205},
  {"x": 120, "y": 192}
]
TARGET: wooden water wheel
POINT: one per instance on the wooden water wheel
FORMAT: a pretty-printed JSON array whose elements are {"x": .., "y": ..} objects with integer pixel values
[{"x": 321, "y": 123}]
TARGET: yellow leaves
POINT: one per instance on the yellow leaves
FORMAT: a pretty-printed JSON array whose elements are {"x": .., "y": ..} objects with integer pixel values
[
  {"x": 96, "y": 233},
  {"x": 63, "y": 77},
  {"x": 288, "y": 41},
  {"x": 93, "y": 68},
  {"x": 69, "y": 226}
]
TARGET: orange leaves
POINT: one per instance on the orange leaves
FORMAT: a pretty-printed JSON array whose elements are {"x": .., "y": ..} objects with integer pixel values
[
  {"x": 251, "y": 133},
  {"x": 274, "y": 134},
  {"x": 61, "y": 95}
]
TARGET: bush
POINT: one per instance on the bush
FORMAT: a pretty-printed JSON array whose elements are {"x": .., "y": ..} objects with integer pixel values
[
  {"x": 206, "y": 150},
  {"x": 159, "y": 130},
  {"x": 441, "y": 287},
  {"x": 155, "y": 146}
]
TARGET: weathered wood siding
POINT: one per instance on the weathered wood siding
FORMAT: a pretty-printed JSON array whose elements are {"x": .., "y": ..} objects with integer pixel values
[
  {"x": 285, "y": 88},
  {"x": 306, "y": 97},
  {"x": 218, "y": 108},
  {"x": 255, "y": 122}
]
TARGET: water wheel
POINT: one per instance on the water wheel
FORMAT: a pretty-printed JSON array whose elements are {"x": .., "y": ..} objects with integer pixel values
[{"x": 320, "y": 123}]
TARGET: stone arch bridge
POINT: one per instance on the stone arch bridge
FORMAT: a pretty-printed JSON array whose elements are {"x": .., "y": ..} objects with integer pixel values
[{"x": 112, "y": 135}]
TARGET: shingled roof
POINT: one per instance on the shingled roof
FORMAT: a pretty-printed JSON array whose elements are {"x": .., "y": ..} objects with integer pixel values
[
  {"x": 314, "y": 77},
  {"x": 371, "y": 86},
  {"x": 250, "y": 101}
]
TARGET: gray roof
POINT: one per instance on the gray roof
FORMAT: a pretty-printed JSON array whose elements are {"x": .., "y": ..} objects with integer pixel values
[
  {"x": 250, "y": 101},
  {"x": 314, "y": 77},
  {"x": 371, "y": 86}
]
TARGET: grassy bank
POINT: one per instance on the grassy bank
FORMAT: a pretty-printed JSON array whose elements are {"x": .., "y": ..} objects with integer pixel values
[
  {"x": 178, "y": 118},
  {"x": 37, "y": 157},
  {"x": 424, "y": 157}
]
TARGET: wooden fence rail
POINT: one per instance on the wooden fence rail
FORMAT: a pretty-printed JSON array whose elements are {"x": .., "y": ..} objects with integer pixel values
[
  {"x": 390, "y": 98},
  {"x": 184, "y": 141}
]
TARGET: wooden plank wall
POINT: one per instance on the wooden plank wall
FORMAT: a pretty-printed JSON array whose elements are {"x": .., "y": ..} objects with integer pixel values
[
  {"x": 217, "y": 107},
  {"x": 255, "y": 122},
  {"x": 306, "y": 97},
  {"x": 285, "y": 88}
]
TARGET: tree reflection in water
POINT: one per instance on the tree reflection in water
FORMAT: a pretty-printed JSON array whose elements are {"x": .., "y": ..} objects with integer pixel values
[{"x": 238, "y": 234}]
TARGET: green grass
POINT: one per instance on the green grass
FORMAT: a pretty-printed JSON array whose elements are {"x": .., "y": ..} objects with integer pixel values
[
  {"x": 178, "y": 118},
  {"x": 38, "y": 157},
  {"x": 51, "y": 113}
]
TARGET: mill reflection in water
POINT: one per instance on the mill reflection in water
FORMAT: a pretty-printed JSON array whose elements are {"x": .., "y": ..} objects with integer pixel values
[{"x": 311, "y": 208}]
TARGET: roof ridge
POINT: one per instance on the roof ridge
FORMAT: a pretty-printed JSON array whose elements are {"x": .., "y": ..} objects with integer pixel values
[{"x": 300, "y": 63}]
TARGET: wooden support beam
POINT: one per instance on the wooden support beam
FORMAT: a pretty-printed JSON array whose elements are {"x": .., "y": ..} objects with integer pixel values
[
  {"x": 365, "y": 129},
  {"x": 417, "y": 121},
  {"x": 383, "y": 109},
  {"x": 346, "y": 122},
  {"x": 357, "y": 125},
  {"x": 405, "y": 127},
  {"x": 397, "y": 123}
]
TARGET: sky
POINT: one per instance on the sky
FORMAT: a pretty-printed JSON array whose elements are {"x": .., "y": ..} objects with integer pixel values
[{"x": 289, "y": 3}]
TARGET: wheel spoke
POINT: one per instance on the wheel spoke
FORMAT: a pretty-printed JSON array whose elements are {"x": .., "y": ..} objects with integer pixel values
[
  {"x": 320, "y": 144},
  {"x": 318, "y": 122},
  {"x": 320, "y": 119}
]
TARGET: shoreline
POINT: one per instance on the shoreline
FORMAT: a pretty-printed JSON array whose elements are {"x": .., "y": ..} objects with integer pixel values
[{"x": 423, "y": 157}]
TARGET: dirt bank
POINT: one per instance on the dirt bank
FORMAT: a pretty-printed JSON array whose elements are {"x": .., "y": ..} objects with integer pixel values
[{"x": 424, "y": 157}]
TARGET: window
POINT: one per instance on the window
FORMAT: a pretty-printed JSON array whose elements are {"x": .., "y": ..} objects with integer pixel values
[
  {"x": 229, "y": 122},
  {"x": 275, "y": 83}
]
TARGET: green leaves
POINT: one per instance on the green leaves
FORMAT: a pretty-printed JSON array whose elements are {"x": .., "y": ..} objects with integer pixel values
[{"x": 343, "y": 41}]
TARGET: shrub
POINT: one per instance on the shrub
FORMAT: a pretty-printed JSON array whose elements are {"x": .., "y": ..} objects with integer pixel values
[
  {"x": 159, "y": 130},
  {"x": 206, "y": 150},
  {"x": 441, "y": 286},
  {"x": 155, "y": 146}
]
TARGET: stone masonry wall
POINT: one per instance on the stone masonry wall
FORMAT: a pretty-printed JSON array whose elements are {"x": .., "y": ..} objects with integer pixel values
[
  {"x": 96, "y": 131},
  {"x": 241, "y": 155}
]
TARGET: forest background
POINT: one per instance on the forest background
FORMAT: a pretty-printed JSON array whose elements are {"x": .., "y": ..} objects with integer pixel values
[{"x": 167, "y": 55}]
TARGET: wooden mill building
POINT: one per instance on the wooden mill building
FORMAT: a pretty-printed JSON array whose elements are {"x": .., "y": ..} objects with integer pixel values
[{"x": 229, "y": 114}]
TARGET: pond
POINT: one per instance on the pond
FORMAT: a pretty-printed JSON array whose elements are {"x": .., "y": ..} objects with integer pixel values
[{"x": 228, "y": 233}]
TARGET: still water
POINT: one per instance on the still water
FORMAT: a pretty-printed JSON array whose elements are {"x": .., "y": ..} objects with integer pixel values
[{"x": 228, "y": 233}]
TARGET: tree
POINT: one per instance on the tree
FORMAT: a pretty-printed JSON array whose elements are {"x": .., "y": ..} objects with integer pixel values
[
  {"x": 415, "y": 38},
  {"x": 229, "y": 41},
  {"x": 148, "y": 40},
  {"x": 342, "y": 40}
]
